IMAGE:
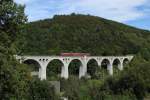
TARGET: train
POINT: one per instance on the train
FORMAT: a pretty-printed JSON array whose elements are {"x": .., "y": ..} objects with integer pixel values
[{"x": 75, "y": 54}]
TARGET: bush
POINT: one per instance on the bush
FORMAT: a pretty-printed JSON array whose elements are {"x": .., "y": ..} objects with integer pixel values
[
  {"x": 42, "y": 90},
  {"x": 14, "y": 79}
]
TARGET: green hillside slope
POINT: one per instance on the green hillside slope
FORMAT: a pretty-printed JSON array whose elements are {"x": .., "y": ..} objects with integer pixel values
[
  {"x": 83, "y": 33},
  {"x": 98, "y": 36}
]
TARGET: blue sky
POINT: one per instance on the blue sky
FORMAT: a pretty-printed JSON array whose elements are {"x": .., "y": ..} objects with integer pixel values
[{"x": 131, "y": 12}]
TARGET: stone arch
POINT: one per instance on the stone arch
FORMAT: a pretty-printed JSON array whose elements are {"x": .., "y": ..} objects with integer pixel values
[
  {"x": 34, "y": 66},
  {"x": 116, "y": 65},
  {"x": 54, "y": 68},
  {"x": 75, "y": 67},
  {"x": 92, "y": 66},
  {"x": 105, "y": 65},
  {"x": 125, "y": 62},
  {"x": 116, "y": 62}
]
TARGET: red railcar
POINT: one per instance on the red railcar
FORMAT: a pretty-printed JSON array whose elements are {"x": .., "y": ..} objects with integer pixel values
[{"x": 75, "y": 54}]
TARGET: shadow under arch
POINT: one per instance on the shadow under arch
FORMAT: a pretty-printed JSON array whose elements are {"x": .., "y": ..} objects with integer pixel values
[
  {"x": 125, "y": 62},
  {"x": 116, "y": 65},
  {"x": 92, "y": 67},
  {"x": 74, "y": 67},
  {"x": 54, "y": 69},
  {"x": 33, "y": 66},
  {"x": 105, "y": 64}
]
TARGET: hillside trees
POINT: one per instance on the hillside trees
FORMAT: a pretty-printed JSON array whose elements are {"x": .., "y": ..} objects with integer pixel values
[
  {"x": 15, "y": 79},
  {"x": 83, "y": 33}
]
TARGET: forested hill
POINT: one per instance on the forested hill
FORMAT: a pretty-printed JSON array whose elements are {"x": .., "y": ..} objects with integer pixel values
[{"x": 83, "y": 33}]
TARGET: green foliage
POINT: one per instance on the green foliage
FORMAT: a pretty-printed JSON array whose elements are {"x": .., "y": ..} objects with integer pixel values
[
  {"x": 71, "y": 88},
  {"x": 81, "y": 33},
  {"x": 130, "y": 84},
  {"x": 92, "y": 68},
  {"x": 42, "y": 90},
  {"x": 54, "y": 70},
  {"x": 12, "y": 19},
  {"x": 145, "y": 52},
  {"x": 74, "y": 67},
  {"x": 13, "y": 76},
  {"x": 134, "y": 80},
  {"x": 76, "y": 89},
  {"x": 14, "y": 79}
]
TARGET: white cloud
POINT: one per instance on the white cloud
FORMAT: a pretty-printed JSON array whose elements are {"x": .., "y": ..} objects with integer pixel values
[
  {"x": 21, "y": 1},
  {"x": 119, "y": 10}
]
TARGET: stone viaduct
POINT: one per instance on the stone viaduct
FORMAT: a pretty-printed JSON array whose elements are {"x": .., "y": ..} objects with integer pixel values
[{"x": 43, "y": 62}]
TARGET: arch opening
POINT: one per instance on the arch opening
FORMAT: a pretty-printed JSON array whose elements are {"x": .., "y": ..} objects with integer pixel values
[
  {"x": 54, "y": 68},
  {"x": 116, "y": 65},
  {"x": 92, "y": 68},
  {"x": 33, "y": 66},
  {"x": 104, "y": 67},
  {"x": 74, "y": 67},
  {"x": 125, "y": 62},
  {"x": 105, "y": 63}
]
